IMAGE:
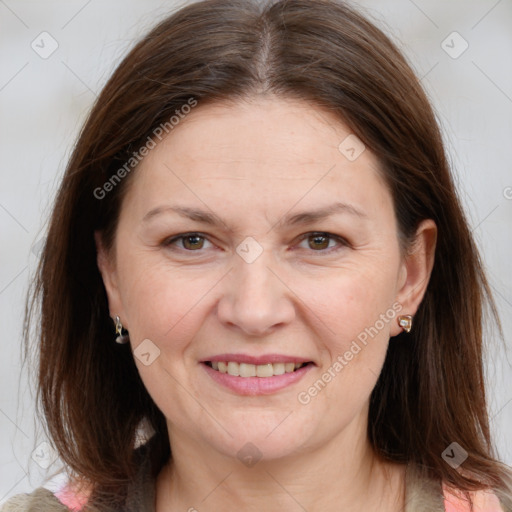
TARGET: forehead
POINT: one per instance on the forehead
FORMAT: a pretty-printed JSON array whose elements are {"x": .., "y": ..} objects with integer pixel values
[{"x": 271, "y": 149}]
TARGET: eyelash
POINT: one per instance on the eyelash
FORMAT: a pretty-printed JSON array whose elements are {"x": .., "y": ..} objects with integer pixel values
[{"x": 341, "y": 241}]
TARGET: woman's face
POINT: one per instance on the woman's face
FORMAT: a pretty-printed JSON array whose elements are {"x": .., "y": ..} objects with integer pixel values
[{"x": 249, "y": 235}]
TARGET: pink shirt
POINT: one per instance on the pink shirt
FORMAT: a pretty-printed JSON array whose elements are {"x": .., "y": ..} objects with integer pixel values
[
  {"x": 483, "y": 501},
  {"x": 74, "y": 501}
]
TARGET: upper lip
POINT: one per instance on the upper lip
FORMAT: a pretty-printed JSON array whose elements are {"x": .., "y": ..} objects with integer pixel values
[{"x": 257, "y": 360}]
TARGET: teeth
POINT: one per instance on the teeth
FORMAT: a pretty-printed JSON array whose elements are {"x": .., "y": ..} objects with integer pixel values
[
  {"x": 278, "y": 368},
  {"x": 233, "y": 369},
  {"x": 245, "y": 370},
  {"x": 251, "y": 370},
  {"x": 264, "y": 370}
]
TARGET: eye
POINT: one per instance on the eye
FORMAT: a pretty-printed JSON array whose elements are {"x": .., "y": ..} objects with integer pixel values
[
  {"x": 188, "y": 241},
  {"x": 317, "y": 241},
  {"x": 324, "y": 242}
]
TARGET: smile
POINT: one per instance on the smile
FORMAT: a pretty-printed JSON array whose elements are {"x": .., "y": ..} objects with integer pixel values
[
  {"x": 251, "y": 374},
  {"x": 245, "y": 370}
]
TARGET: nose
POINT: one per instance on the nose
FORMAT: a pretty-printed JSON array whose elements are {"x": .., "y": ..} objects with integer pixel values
[{"x": 255, "y": 300}]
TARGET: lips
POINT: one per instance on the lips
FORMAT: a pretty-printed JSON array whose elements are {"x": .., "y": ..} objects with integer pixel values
[
  {"x": 264, "y": 366},
  {"x": 255, "y": 379}
]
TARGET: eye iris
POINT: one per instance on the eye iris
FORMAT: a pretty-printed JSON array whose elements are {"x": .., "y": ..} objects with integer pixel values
[
  {"x": 197, "y": 242},
  {"x": 319, "y": 242}
]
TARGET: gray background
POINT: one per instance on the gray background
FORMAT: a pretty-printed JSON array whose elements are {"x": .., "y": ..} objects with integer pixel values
[{"x": 43, "y": 102}]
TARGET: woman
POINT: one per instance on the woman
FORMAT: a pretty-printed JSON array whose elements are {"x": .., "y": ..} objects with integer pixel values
[{"x": 260, "y": 212}]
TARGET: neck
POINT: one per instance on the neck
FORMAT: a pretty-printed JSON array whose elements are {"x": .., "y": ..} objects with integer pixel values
[{"x": 344, "y": 474}]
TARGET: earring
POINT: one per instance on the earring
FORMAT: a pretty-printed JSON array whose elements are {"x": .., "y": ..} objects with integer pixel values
[
  {"x": 121, "y": 338},
  {"x": 405, "y": 321}
]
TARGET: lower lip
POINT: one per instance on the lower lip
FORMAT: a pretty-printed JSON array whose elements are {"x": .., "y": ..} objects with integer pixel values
[{"x": 257, "y": 385}]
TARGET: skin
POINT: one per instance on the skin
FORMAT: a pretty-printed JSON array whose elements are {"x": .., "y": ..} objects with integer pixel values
[{"x": 252, "y": 163}]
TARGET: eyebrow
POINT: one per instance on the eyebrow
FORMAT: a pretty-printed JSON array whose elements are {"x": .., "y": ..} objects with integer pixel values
[{"x": 301, "y": 218}]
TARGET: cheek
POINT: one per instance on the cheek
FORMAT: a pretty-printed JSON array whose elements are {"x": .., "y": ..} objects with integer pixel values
[
  {"x": 356, "y": 313},
  {"x": 156, "y": 299},
  {"x": 353, "y": 303}
]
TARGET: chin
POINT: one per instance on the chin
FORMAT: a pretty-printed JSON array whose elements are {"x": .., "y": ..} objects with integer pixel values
[
  {"x": 262, "y": 440},
  {"x": 250, "y": 452}
]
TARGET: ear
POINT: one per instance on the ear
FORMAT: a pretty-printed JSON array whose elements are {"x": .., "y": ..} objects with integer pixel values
[
  {"x": 415, "y": 270},
  {"x": 106, "y": 266}
]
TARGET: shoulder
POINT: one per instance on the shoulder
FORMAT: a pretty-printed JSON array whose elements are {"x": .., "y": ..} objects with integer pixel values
[
  {"x": 483, "y": 501},
  {"x": 41, "y": 500},
  {"x": 64, "y": 497},
  {"x": 74, "y": 498},
  {"x": 424, "y": 493}
]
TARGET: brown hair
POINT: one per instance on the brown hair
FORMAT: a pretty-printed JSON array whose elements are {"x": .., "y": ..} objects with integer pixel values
[{"x": 431, "y": 390}]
